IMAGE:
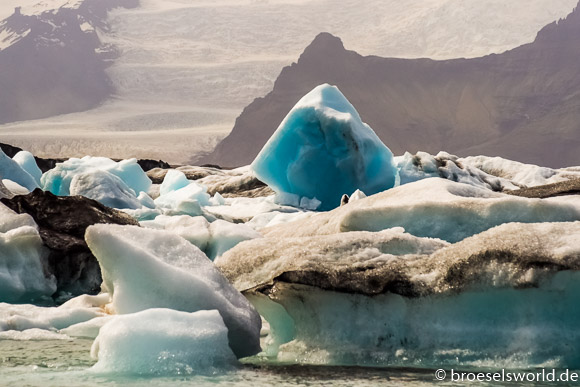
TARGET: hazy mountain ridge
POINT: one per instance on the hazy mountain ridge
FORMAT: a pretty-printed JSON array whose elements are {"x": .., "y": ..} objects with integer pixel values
[
  {"x": 523, "y": 104},
  {"x": 53, "y": 62}
]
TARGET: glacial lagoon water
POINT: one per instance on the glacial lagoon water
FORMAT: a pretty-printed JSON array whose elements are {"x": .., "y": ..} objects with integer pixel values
[{"x": 67, "y": 362}]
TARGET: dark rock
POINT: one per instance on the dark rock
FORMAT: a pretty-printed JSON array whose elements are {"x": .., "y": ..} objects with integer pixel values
[
  {"x": 62, "y": 221},
  {"x": 147, "y": 164},
  {"x": 522, "y": 104},
  {"x": 568, "y": 187}
]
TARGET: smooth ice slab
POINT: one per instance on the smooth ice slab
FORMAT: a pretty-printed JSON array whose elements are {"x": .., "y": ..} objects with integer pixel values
[
  {"x": 163, "y": 342},
  {"x": 144, "y": 268},
  {"x": 323, "y": 150},
  {"x": 27, "y": 162}
]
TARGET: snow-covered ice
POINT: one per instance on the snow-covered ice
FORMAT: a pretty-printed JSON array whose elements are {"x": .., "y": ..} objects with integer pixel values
[
  {"x": 145, "y": 268},
  {"x": 163, "y": 342},
  {"x": 323, "y": 150}
]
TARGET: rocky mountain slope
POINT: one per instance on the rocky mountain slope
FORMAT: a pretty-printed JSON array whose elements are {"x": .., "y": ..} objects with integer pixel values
[
  {"x": 52, "y": 61},
  {"x": 523, "y": 104}
]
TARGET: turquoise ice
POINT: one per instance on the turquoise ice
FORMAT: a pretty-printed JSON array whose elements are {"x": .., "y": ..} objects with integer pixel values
[{"x": 323, "y": 150}]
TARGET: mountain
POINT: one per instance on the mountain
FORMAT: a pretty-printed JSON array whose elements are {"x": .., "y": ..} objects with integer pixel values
[
  {"x": 523, "y": 104},
  {"x": 52, "y": 61}
]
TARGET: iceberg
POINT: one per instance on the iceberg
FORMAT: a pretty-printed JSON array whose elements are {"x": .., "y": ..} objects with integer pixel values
[
  {"x": 163, "y": 342},
  {"x": 145, "y": 268},
  {"x": 323, "y": 150},
  {"x": 27, "y": 162},
  {"x": 179, "y": 196},
  {"x": 23, "y": 276},
  {"x": 58, "y": 179},
  {"x": 11, "y": 170},
  {"x": 505, "y": 296},
  {"x": 105, "y": 188}
]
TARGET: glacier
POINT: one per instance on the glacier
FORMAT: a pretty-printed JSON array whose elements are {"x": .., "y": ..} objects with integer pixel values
[
  {"x": 163, "y": 342},
  {"x": 146, "y": 268},
  {"x": 323, "y": 150}
]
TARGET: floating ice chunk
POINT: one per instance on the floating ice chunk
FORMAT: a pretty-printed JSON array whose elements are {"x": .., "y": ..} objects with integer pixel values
[
  {"x": 10, "y": 170},
  {"x": 163, "y": 342},
  {"x": 194, "y": 229},
  {"x": 27, "y": 162},
  {"x": 58, "y": 180},
  {"x": 217, "y": 200},
  {"x": 322, "y": 149},
  {"x": 22, "y": 254},
  {"x": 34, "y": 334},
  {"x": 87, "y": 329},
  {"x": 105, "y": 188},
  {"x": 15, "y": 188},
  {"x": 310, "y": 204},
  {"x": 436, "y": 208},
  {"x": 77, "y": 310},
  {"x": 526, "y": 175},
  {"x": 184, "y": 201},
  {"x": 423, "y": 165},
  {"x": 173, "y": 181},
  {"x": 146, "y": 200},
  {"x": 144, "y": 268},
  {"x": 225, "y": 235}
]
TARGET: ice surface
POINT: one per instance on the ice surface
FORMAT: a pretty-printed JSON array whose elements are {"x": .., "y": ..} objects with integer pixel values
[
  {"x": 526, "y": 328},
  {"x": 15, "y": 188},
  {"x": 226, "y": 235},
  {"x": 184, "y": 200},
  {"x": 22, "y": 254},
  {"x": 525, "y": 175},
  {"x": 173, "y": 181},
  {"x": 144, "y": 268},
  {"x": 105, "y": 188},
  {"x": 505, "y": 296},
  {"x": 323, "y": 150},
  {"x": 194, "y": 229},
  {"x": 77, "y": 310},
  {"x": 163, "y": 342},
  {"x": 58, "y": 180},
  {"x": 34, "y": 334},
  {"x": 259, "y": 261},
  {"x": 27, "y": 162},
  {"x": 436, "y": 208},
  {"x": 11, "y": 170}
]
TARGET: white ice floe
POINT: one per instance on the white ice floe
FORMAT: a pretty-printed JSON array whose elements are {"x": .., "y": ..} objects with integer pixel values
[
  {"x": 163, "y": 342},
  {"x": 144, "y": 268}
]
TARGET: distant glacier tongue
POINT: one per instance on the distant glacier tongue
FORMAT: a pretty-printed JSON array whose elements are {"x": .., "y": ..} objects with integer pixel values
[{"x": 323, "y": 150}]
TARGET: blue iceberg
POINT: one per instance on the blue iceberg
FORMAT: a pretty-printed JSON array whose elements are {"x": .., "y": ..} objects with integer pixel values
[
  {"x": 323, "y": 150},
  {"x": 11, "y": 170}
]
